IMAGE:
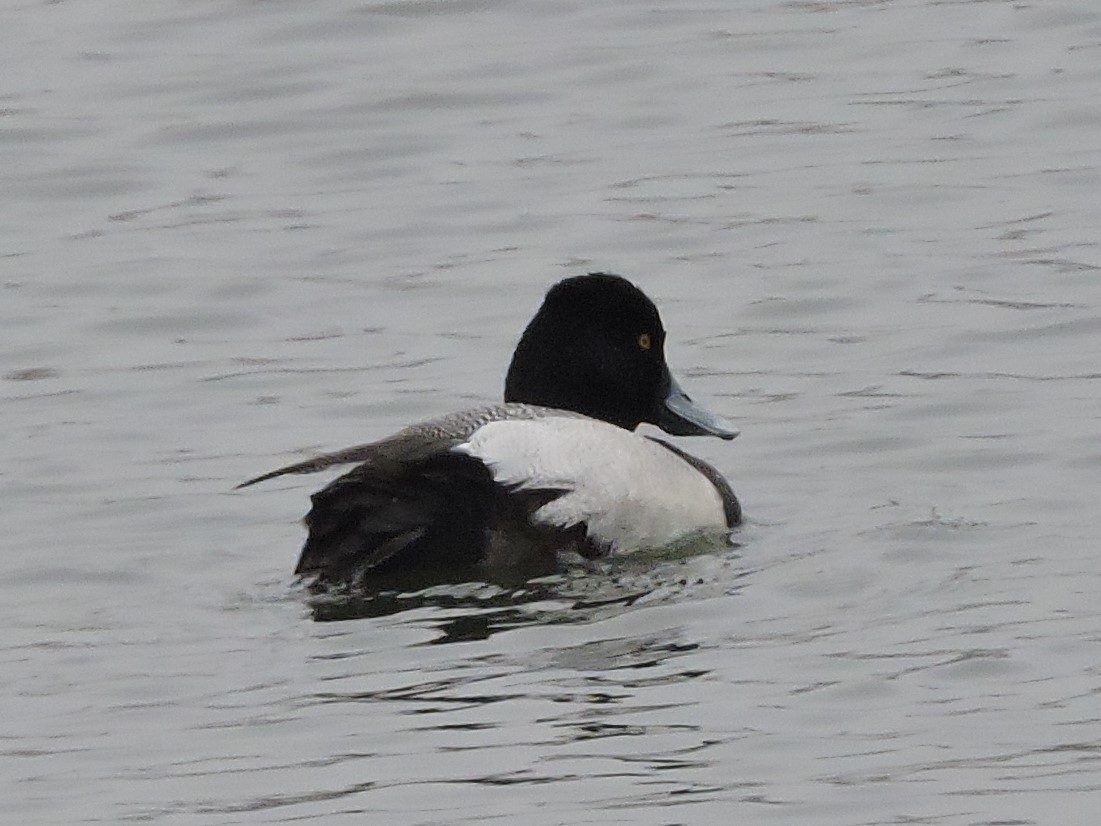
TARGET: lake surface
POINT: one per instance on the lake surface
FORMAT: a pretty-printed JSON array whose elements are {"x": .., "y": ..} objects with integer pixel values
[{"x": 238, "y": 233}]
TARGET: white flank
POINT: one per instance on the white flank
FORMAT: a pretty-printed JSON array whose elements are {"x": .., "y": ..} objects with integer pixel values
[{"x": 630, "y": 491}]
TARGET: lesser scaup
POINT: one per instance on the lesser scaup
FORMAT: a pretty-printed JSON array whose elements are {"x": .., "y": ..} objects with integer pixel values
[{"x": 555, "y": 468}]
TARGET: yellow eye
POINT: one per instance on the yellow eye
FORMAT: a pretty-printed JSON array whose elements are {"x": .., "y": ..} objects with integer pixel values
[{"x": 644, "y": 341}]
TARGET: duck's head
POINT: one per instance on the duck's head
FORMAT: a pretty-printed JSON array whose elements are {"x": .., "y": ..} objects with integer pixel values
[{"x": 597, "y": 347}]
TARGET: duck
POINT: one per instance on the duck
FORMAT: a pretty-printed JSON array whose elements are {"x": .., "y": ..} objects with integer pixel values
[{"x": 557, "y": 467}]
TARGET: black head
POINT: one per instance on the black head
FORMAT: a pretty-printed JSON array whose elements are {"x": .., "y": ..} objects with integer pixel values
[{"x": 597, "y": 347}]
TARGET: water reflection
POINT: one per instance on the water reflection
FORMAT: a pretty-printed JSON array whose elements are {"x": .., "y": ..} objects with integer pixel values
[{"x": 475, "y": 610}]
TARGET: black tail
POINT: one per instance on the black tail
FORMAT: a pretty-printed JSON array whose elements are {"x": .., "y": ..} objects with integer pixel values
[{"x": 386, "y": 517}]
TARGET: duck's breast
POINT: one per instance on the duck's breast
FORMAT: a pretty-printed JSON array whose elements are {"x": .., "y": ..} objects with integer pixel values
[{"x": 629, "y": 491}]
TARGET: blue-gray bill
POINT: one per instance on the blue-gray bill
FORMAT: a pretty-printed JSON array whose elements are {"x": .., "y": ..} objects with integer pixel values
[{"x": 680, "y": 416}]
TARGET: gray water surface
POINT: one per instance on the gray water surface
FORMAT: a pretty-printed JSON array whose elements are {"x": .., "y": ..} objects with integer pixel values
[{"x": 235, "y": 234}]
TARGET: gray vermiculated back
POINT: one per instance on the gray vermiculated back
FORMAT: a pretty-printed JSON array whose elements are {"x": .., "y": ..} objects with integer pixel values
[{"x": 418, "y": 440}]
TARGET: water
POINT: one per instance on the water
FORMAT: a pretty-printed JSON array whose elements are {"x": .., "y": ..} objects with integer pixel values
[{"x": 238, "y": 233}]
